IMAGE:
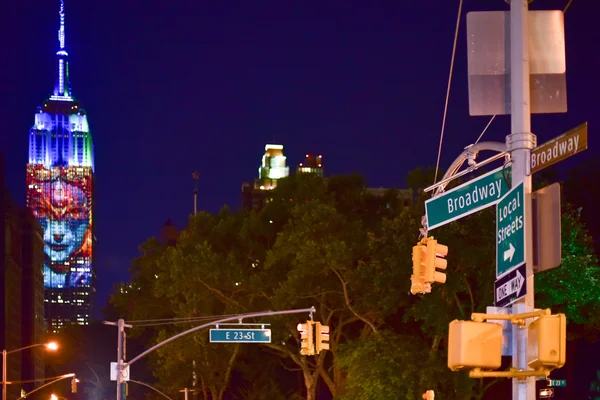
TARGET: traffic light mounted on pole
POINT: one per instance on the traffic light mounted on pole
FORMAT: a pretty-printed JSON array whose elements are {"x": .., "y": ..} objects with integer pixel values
[
  {"x": 307, "y": 343},
  {"x": 427, "y": 255},
  {"x": 417, "y": 279},
  {"x": 434, "y": 260},
  {"x": 74, "y": 385},
  {"x": 322, "y": 337}
]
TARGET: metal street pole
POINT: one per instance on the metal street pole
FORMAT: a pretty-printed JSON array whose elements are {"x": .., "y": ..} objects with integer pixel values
[
  {"x": 3, "y": 374},
  {"x": 120, "y": 330},
  {"x": 519, "y": 143}
]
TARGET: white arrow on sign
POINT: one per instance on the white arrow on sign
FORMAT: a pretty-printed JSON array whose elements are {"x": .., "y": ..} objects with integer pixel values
[
  {"x": 508, "y": 254},
  {"x": 510, "y": 287}
]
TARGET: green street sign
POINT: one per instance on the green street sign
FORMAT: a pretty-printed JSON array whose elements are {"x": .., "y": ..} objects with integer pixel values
[
  {"x": 467, "y": 198},
  {"x": 240, "y": 336},
  {"x": 510, "y": 231},
  {"x": 557, "y": 382}
]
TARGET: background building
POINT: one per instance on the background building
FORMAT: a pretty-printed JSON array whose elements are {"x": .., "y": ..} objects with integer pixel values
[
  {"x": 312, "y": 165},
  {"x": 21, "y": 285},
  {"x": 59, "y": 193},
  {"x": 272, "y": 169}
]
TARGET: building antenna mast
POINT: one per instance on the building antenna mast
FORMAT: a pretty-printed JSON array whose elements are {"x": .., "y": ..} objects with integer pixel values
[{"x": 195, "y": 176}]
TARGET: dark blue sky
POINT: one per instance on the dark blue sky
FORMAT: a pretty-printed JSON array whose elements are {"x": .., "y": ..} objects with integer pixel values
[{"x": 176, "y": 86}]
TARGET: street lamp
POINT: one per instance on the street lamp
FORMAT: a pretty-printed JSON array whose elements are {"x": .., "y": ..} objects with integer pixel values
[
  {"x": 50, "y": 346},
  {"x": 55, "y": 397}
]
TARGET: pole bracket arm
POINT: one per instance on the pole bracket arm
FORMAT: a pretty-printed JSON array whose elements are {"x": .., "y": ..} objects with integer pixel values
[
  {"x": 517, "y": 319},
  {"x": 512, "y": 373}
]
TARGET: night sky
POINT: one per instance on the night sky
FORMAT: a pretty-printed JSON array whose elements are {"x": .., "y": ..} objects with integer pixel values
[{"x": 176, "y": 86}]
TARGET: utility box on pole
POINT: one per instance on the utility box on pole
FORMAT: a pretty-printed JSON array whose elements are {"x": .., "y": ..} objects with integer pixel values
[{"x": 546, "y": 228}]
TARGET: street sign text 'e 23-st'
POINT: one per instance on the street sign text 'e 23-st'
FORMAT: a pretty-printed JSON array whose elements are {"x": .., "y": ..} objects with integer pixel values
[
  {"x": 467, "y": 198},
  {"x": 240, "y": 336},
  {"x": 510, "y": 230}
]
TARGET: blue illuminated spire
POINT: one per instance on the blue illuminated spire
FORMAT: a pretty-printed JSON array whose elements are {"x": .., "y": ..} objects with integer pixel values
[{"x": 62, "y": 90}]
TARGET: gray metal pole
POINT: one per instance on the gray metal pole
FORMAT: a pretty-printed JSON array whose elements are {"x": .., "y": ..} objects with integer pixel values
[
  {"x": 4, "y": 374},
  {"x": 519, "y": 143},
  {"x": 120, "y": 330}
]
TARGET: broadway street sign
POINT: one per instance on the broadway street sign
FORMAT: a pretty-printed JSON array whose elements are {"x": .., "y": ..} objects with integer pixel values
[
  {"x": 510, "y": 230},
  {"x": 510, "y": 287},
  {"x": 240, "y": 336},
  {"x": 569, "y": 143},
  {"x": 467, "y": 198}
]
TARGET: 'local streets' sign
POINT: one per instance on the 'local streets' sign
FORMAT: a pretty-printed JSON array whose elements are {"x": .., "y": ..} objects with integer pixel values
[
  {"x": 467, "y": 198},
  {"x": 510, "y": 230},
  {"x": 569, "y": 143},
  {"x": 510, "y": 287}
]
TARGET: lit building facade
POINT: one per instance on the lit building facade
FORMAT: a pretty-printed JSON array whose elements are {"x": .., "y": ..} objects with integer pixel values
[
  {"x": 312, "y": 165},
  {"x": 60, "y": 175},
  {"x": 273, "y": 168}
]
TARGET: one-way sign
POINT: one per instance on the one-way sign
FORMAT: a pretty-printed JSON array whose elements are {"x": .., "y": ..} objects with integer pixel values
[{"x": 510, "y": 287}]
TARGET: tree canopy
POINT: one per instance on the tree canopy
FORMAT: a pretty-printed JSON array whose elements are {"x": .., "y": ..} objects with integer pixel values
[{"x": 333, "y": 244}]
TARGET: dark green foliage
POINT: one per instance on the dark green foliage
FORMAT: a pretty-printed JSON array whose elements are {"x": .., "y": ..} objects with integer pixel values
[{"x": 335, "y": 245}]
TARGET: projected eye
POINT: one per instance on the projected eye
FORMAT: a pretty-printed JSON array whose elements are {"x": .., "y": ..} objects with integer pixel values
[{"x": 76, "y": 213}]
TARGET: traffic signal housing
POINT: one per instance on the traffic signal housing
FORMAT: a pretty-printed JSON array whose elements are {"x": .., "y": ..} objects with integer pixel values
[
  {"x": 435, "y": 259},
  {"x": 321, "y": 337},
  {"x": 74, "y": 385},
  {"x": 307, "y": 344},
  {"x": 474, "y": 345},
  {"x": 417, "y": 279},
  {"x": 547, "y": 343}
]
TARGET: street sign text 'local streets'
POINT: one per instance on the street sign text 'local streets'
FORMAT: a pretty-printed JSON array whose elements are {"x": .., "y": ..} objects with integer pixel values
[
  {"x": 569, "y": 143},
  {"x": 467, "y": 198},
  {"x": 510, "y": 230},
  {"x": 510, "y": 287}
]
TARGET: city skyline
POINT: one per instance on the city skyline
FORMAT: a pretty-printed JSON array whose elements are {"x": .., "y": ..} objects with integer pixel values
[{"x": 204, "y": 87}]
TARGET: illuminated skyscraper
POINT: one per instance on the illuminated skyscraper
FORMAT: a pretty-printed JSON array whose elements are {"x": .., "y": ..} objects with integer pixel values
[
  {"x": 273, "y": 168},
  {"x": 59, "y": 193}
]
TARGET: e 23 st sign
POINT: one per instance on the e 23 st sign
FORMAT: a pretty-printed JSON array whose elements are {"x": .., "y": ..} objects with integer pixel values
[{"x": 510, "y": 230}]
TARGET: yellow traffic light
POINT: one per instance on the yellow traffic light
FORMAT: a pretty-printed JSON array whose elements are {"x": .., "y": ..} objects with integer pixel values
[
  {"x": 546, "y": 346},
  {"x": 417, "y": 278},
  {"x": 435, "y": 260},
  {"x": 429, "y": 395},
  {"x": 322, "y": 337},
  {"x": 474, "y": 345},
  {"x": 74, "y": 385},
  {"x": 307, "y": 344}
]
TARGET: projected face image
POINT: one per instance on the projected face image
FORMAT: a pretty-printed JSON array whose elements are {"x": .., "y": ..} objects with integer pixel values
[
  {"x": 63, "y": 212},
  {"x": 64, "y": 218}
]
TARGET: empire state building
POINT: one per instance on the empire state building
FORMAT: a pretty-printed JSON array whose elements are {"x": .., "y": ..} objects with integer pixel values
[{"x": 60, "y": 175}]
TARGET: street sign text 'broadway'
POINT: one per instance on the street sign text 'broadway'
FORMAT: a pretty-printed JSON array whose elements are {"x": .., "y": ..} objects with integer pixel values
[
  {"x": 467, "y": 198},
  {"x": 559, "y": 148}
]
